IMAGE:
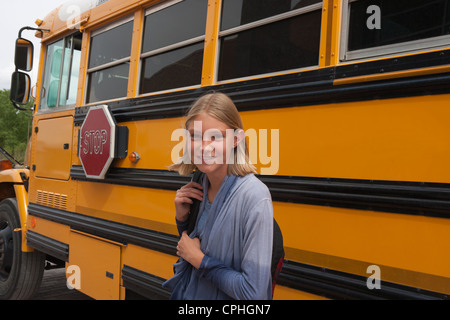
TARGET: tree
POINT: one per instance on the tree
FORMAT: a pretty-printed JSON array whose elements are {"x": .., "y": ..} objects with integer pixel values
[{"x": 14, "y": 127}]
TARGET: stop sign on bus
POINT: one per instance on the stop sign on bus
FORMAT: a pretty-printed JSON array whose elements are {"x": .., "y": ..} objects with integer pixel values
[{"x": 97, "y": 142}]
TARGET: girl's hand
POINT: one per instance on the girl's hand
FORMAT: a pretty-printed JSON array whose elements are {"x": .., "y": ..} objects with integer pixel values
[
  {"x": 189, "y": 250},
  {"x": 183, "y": 199}
]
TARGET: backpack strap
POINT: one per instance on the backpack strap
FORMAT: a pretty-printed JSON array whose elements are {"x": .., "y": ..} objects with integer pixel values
[
  {"x": 198, "y": 175},
  {"x": 277, "y": 254}
]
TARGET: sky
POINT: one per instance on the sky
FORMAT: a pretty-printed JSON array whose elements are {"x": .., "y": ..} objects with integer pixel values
[{"x": 14, "y": 15}]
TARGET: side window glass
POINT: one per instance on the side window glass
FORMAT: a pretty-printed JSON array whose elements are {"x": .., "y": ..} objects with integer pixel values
[
  {"x": 260, "y": 37},
  {"x": 109, "y": 63},
  {"x": 172, "y": 50},
  {"x": 379, "y": 27},
  {"x": 60, "y": 79}
]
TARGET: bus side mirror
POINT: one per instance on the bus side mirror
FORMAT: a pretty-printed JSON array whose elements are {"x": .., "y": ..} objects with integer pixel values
[
  {"x": 20, "y": 88},
  {"x": 24, "y": 55},
  {"x": 20, "y": 81}
]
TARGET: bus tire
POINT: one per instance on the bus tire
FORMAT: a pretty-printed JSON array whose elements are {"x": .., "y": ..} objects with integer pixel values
[{"x": 20, "y": 272}]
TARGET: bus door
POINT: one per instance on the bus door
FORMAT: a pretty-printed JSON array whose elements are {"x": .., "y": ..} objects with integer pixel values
[
  {"x": 53, "y": 122},
  {"x": 53, "y": 154}
]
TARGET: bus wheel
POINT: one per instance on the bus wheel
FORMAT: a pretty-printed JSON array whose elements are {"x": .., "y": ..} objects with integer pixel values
[{"x": 20, "y": 272}]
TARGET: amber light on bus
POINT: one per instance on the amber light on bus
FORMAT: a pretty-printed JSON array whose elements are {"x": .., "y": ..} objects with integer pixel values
[
  {"x": 134, "y": 157},
  {"x": 5, "y": 165}
]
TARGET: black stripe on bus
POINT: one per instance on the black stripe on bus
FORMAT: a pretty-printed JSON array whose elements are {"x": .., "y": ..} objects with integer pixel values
[
  {"x": 339, "y": 285},
  {"x": 107, "y": 229},
  {"x": 316, "y": 280},
  {"x": 418, "y": 198},
  {"x": 144, "y": 284},
  {"x": 319, "y": 281},
  {"x": 307, "y": 278},
  {"x": 54, "y": 248},
  {"x": 396, "y": 64},
  {"x": 299, "y": 89}
]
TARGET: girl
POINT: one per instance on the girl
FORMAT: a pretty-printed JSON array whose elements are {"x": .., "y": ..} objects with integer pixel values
[{"x": 228, "y": 254}]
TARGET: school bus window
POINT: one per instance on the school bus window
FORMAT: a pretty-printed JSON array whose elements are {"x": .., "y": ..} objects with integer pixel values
[
  {"x": 61, "y": 73},
  {"x": 258, "y": 38},
  {"x": 109, "y": 62},
  {"x": 239, "y": 12},
  {"x": 395, "y": 26},
  {"x": 173, "y": 44}
]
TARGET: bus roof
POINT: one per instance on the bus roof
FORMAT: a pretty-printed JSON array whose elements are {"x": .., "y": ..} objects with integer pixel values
[{"x": 76, "y": 14}]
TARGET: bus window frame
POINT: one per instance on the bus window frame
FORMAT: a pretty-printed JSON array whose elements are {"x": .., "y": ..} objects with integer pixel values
[
  {"x": 44, "y": 75},
  {"x": 144, "y": 55},
  {"x": 93, "y": 33},
  {"x": 259, "y": 23},
  {"x": 391, "y": 50}
]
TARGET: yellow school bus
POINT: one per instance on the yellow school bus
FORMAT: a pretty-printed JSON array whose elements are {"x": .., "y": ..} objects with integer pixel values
[{"x": 346, "y": 106}]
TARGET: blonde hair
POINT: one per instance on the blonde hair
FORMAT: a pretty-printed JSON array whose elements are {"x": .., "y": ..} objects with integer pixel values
[{"x": 221, "y": 107}]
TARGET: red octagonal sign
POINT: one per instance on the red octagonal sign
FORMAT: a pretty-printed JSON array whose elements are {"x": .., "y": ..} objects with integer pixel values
[{"x": 97, "y": 142}]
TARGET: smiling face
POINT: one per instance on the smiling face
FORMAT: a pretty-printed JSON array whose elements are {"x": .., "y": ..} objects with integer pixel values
[
  {"x": 215, "y": 138},
  {"x": 211, "y": 143}
]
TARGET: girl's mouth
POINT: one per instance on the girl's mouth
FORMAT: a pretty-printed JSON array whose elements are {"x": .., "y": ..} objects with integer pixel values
[{"x": 205, "y": 160}]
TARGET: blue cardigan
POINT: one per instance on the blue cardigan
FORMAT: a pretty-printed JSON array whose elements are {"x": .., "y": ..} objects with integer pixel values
[{"x": 237, "y": 242}]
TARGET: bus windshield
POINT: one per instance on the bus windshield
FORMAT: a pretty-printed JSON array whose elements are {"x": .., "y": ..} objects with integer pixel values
[{"x": 60, "y": 79}]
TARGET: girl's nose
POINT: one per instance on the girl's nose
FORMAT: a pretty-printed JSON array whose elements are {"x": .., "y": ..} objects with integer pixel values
[{"x": 208, "y": 149}]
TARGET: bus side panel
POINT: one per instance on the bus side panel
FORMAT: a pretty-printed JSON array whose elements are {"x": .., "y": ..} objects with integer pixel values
[
  {"x": 402, "y": 139},
  {"x": 98, "y": 265}
]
